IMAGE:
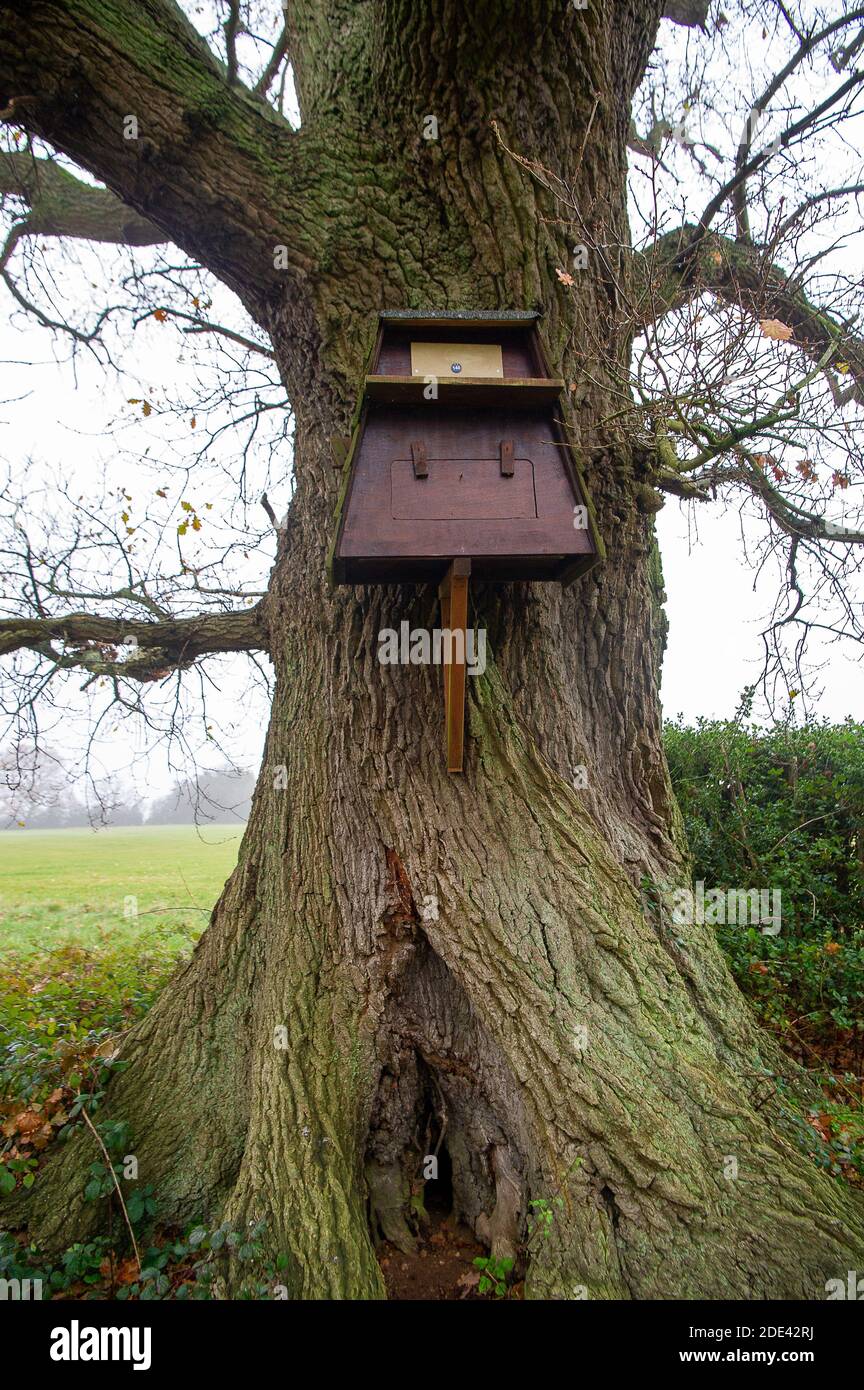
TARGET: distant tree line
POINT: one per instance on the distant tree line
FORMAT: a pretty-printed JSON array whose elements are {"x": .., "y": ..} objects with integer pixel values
[{"x": 41, "y": 793}]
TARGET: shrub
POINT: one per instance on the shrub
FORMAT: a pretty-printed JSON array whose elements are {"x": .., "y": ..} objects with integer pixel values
[{"x": 783, "y": 809}]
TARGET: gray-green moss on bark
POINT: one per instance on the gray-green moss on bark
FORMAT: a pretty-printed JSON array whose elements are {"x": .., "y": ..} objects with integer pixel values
[{"x": 478, "y": 943}]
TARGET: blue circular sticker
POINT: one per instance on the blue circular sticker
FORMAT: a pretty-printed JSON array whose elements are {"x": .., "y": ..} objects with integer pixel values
[{"x": 456, "y": 367}]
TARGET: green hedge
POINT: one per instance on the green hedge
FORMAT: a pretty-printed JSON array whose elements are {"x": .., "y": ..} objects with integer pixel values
[{"x": 783, "y": 809}]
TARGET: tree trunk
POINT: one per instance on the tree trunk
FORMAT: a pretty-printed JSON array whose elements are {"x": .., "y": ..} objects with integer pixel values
[{"x": 473, "y": 948}]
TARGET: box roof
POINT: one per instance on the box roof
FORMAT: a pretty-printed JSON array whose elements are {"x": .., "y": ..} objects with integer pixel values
[{"x": 459, "y": 318}]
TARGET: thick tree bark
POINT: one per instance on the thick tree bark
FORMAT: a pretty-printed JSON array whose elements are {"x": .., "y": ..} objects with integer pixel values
[{"x": 430, "y": 942}]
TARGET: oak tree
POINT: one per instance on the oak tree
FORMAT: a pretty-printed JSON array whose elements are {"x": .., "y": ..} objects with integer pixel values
[{"x": 394, "y": 943}]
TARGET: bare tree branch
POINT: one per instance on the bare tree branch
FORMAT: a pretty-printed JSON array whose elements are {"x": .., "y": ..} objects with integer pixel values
[
  {"x": 795, "y": 521},
  {"x": 268, "y": 76},
  {"x": 199, "y": 325},
  {"x": 805, "y": 48},
  {"x": 158, "y": 648},
  {"x": 231, "y": 28},
  {"x": 682, "y": 265},
  {"x": 789, "y": 135},
  {"x": 61, "y": 205},
  {"x": 220, "y": 172}
]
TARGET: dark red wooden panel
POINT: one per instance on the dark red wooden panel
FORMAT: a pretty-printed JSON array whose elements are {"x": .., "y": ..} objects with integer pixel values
[
  {"x": 371, "y": 530},
  {"x": 462, "y": 489},
  {"x": 430, "y": 481}
]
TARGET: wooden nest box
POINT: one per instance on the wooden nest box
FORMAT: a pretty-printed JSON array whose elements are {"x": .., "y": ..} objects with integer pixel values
[
  {"x": 458, "y": 453},
  {"x": 458, "y": 464}
]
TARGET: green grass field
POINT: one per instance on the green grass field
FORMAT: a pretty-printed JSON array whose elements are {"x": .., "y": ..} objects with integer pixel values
[
  {"x": 92, "y": 924},
  {"x": 76, "y": 887}
]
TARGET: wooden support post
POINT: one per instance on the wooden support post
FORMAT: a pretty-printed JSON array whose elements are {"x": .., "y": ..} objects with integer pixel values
[{"x": 453, "y": 593}]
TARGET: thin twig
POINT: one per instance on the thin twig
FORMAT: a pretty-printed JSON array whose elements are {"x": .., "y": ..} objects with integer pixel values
[{"x": 98, "y": 1139}]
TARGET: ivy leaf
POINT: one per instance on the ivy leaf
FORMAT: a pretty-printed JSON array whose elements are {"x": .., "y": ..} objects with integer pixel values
[{"x": 135, "y": 1208}]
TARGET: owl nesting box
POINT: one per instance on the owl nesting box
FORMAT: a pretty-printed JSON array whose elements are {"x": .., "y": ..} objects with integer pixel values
[
  {"x": 459, "y": 464},
  {"x": 458, "y": 453}
]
